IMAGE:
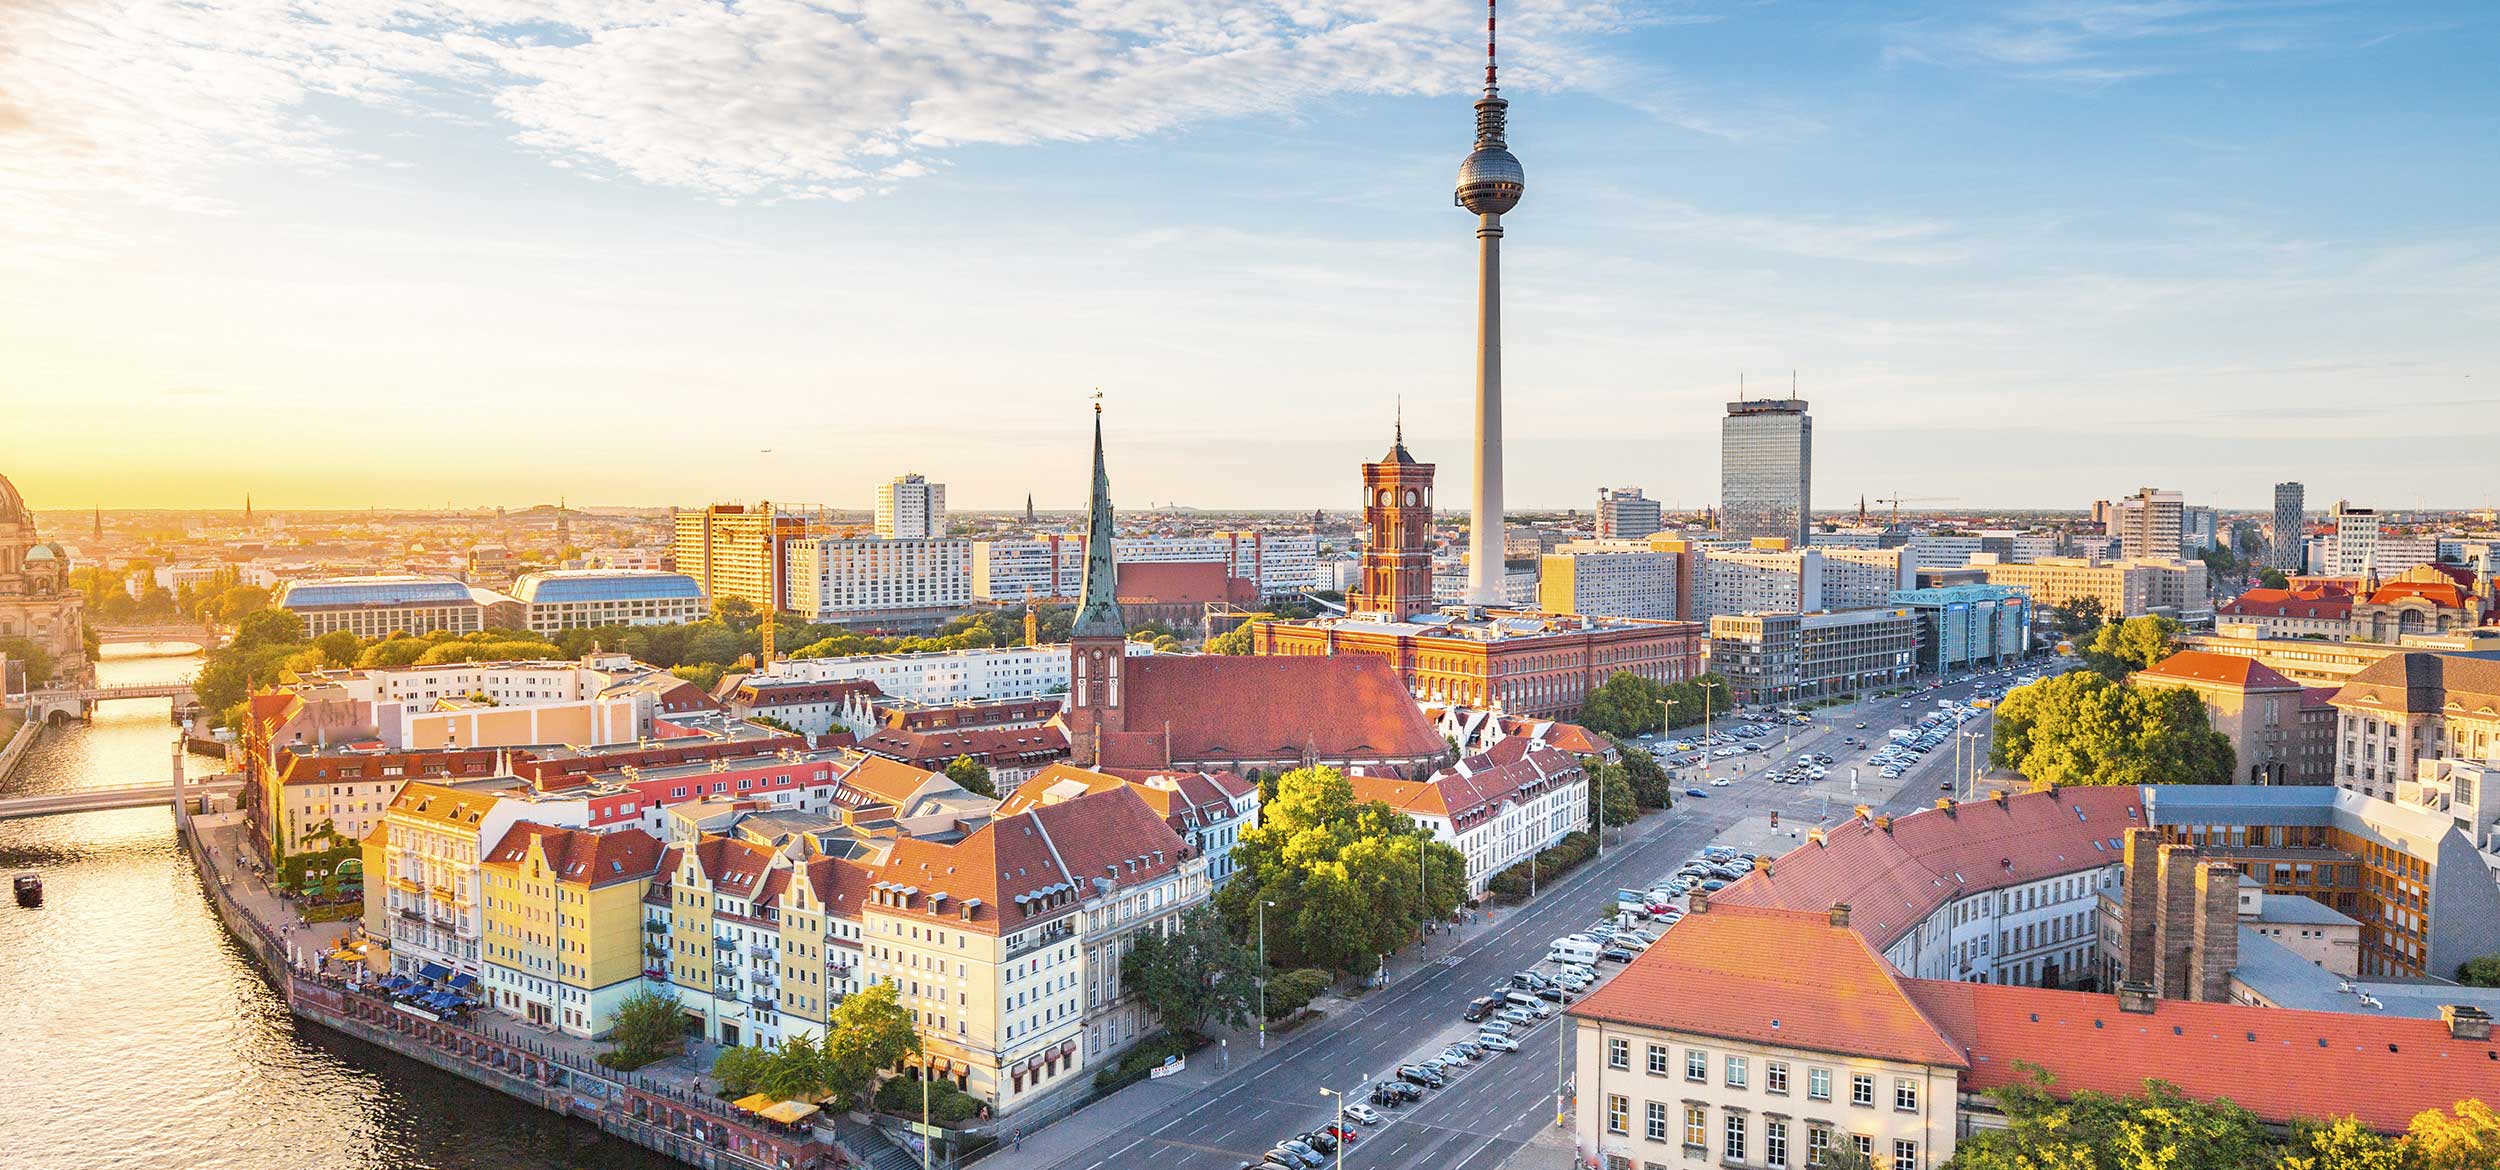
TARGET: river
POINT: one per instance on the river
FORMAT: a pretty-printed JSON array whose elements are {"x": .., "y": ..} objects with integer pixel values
[{"x": 135, "y": 1036}]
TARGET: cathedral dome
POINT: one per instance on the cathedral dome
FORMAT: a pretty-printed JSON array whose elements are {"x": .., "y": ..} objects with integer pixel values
[
  {"x": 12, "y": 506},
  {"x": 43, "y": 552}
]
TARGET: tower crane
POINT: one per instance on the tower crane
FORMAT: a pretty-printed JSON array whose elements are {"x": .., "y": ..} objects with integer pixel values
[{"x": 1897, "y": 501}]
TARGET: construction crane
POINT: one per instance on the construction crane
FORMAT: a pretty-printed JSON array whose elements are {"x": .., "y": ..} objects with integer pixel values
[
  {"x": 1897, "y": 501},
  {"x": 764, "y": 646}
]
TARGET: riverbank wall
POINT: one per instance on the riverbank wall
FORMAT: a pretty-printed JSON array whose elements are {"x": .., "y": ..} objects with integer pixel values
[
  {"x": 696, "y": 1131},
  {"x": 15, "y": 750}
]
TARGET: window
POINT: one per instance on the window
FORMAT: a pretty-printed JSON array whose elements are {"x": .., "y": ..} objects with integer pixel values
[
  {"x": 1904, "y": 1154},
  {"x": 1656, "y": 1120},
  {"x": 1775, "y": 1077},
  {"x": 1618, "y": 1114},
  {"x": 1618, "y": 1054},
  {"x": 1775, "y": 1142},
  {"x": 1861, "y": 1089},
  {"x": 1865, "y": 1145},
  {"x": 1819, "y": 1084},
  {"x": 1735, "y": 1072},
  {"x": 1696, "y": 1126},
  {"x": 1905, "y": 1095},
  {"x": 1735, "y": 1137},
  {"x": 1818, "y": 1142},
  {"x": 1657, "y": 1060},
  {"x": 1696, "y": 1065}
]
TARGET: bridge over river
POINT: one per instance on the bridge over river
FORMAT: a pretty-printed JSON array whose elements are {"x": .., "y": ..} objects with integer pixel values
[{"x": 125, "y": 796}]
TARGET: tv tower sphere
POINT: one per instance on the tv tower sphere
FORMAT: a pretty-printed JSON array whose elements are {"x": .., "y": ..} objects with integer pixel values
[{"x": 1490, "y": 181}]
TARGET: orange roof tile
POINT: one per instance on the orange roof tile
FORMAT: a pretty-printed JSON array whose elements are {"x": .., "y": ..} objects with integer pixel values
[
  {"x": 2315, "y": 1065},
  {"x": 1220, "y": 708},
  {"x": 579, "y": 856},
  {"x": 2205, "y": 666},
  {"x": 1894, "y": 880},
  {"x": 1782, "y": 977},
  {"x": 1111, "y": 835}
]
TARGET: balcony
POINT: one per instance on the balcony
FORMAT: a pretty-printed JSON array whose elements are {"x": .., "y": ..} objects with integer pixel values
[
  {"x": 654, "y": 926},
  {"x": 725, "y": 970},
  {"x": 763, "y": 1005},
  {"x": 412, "y": 914},
  {"x": 724, "y": 942},
  {"x": 760, "y": 951}
]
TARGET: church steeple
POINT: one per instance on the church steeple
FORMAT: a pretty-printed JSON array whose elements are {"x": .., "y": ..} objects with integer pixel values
[{"x": 1098, "y": 608}]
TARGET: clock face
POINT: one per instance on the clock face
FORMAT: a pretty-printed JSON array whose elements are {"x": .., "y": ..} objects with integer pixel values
[{"x": 1411, "y": 497}]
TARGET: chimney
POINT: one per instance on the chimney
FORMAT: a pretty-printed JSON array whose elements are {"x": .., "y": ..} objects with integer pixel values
[
  {"x": 1815, "y": 835},
  {"x": 1762, "y": 865},
  {"x": 1945, "y": 804},
  {"x": 2139, "y": 903},
  {"x": 2135, "y": 996},
  {"x": 1884, "y": 824},
  {"x": 1998, "y": 795},
  {"x": 1840, "y": 914},
  {"x": 2215, "y": 945},
  {"x": 2465, "y": 1022},
  {"x": 1864, "y": 812},
  {"x": 1699, "y": 903}
]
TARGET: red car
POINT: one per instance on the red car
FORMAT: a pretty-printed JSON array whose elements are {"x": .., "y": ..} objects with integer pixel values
[{"x": 1344, "y": 1133}]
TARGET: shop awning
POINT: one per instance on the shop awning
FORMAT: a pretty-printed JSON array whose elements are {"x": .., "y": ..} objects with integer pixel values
[
  {"x": 787, "y": 1112},
  {"x": 755, "y": 1102},
  {"x": 463, "y": 981},
  {"x": 434, "y": 971}
]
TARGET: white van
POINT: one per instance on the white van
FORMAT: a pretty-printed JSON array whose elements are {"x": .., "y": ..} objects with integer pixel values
[
  {"x": 1573, "y": 950},
  {"x": 1529, "y": 1003}
]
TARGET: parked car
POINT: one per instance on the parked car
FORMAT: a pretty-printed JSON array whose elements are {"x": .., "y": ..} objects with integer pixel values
[
  {"x": 1343, "y": 1133},
  {"x": 1497, "y": 1027},
  {"x": 1362, "y": 1113},
  {"x": 1295, "y": 1151},
  {"x": 1615, "y": 955},
  {"x": 1520, "y": 1016},
  {"x": 1695, "y": 792},
  {"x": 1416, "y": 1074},
  {"x": 1480, "y": 1007},
  {"x": 1498, "y": 1043},
  {"x": 1552, "y": 994},
  {"x": 1318, "y": 1141}
]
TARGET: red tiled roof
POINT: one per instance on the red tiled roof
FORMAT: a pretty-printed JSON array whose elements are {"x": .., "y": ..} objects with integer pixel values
[
  {"x": 2441, "y": 594},
  {"x": 1110, "y": 835},
  {"x": 940, "y": 746},
  {"x": 2279, "y": 1063},
  {"x": 778, "y": 694},
  {"x": 2320, "y": 602},
  {"x": 839, "y": 884},
  {"x": 1219, "y": 708},
  {"x": 1894, "y": 880},
  {"x": 1184, "y": 800},
  {"x": 1475, "y": 787},
  {"x": 2205, "y": 666},
  {"x": 580, "y": 856},
  {"x": 1784, "y": 977}
]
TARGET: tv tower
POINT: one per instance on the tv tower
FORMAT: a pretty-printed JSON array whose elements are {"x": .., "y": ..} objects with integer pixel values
[{"x": 1490, "y": 182}]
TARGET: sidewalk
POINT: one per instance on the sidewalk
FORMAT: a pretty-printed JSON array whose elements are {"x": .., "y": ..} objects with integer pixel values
[{"x": 223, "y": 833}]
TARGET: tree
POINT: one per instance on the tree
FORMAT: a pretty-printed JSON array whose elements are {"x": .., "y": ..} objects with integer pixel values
[
  {"x": 2078, "y": 618},
  {"x": 646, "y": 1030},
  {"x": 1235, "y": 641},
  {"x": 868, "y": 1031},
  {"x": 1348, "y": 882},
  {"x": 2480, "y": 972},
  {"x": 2273, "y": 579},
  {"x": 33, "y": 659},
  {"x": 1650, "y": 786},
  {"x": 736, "y": 612},
  {"x": 2137, "y": 643},
  {"x": 2159, "y": 1128},
  {"x": 1624, "y": 704},
  {"x": 1194, "y": 975},
  {"x": 1610, "y": 794},
  {"x": 972, "y": 774},
  {"x": 2343, "y": 1145},
  {"x": 268, "y": 627},
  {"x": 795, "y": 1071},
  {"x": 2466, "y": 1139},
  {"x": 740, "y": 1069},
  {"x": 1847, "y": 1157},
  {"x": 2081, "y": 728}
]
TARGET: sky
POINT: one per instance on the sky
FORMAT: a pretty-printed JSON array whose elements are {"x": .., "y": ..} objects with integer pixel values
[{"x": 2025, "y": 253}]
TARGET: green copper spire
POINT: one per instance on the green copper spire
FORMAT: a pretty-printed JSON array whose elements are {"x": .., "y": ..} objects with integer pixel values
[{"x": 1098, "y": 613}]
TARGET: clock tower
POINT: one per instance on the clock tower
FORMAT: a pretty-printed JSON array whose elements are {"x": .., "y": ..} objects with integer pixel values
[{"x": 1397, "y": 555}]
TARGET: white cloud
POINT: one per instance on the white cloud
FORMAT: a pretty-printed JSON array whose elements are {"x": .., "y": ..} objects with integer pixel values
[
  {"x": 2103, "y": 42},
  {"x": 151, "y": 100}
]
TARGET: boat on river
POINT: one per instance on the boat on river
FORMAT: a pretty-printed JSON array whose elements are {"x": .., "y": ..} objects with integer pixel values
[{"x": 29, "y": 889}]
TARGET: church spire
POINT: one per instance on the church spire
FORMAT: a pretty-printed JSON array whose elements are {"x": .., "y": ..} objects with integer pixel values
[{"x": 1098, "y": 611}]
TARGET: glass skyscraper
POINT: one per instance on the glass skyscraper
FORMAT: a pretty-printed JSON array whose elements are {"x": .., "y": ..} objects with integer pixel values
[
  {"x": 2291, "y": 549},
  {"x": 1766, "y": 468}
]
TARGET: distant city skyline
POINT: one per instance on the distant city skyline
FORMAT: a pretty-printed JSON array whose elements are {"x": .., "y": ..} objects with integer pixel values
[{"x": 2024, "y": 257}]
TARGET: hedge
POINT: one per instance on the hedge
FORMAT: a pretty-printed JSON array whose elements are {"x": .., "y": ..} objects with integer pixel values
[
  {"x": 1292, "y": 991},
  {"x": 948, "y": 1105},
  {"x": 1513, "y": 884},
  {"x": 1138, "y": 1061}
]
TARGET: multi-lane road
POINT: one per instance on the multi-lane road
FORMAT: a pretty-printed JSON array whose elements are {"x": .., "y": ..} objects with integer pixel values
[{"x": 1495, "y": 1106}]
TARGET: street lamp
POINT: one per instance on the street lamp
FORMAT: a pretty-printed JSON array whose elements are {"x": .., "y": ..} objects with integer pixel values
[
  {"x": 1262, "y": 981},
  {"x": 1666, "y": 717},
  {"x": 1706, "y": 686},
  {"x": 1340, "y": 1134}
]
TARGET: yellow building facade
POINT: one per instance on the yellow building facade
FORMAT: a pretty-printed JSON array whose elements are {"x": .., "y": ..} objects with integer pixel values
[{"x": 562, "y": 916}]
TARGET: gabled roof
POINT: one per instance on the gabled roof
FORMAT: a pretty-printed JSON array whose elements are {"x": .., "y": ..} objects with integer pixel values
[
  {"x": 2205, "y": 666},
  {"x": 1784, "y": 977},
  {"x": 2444, "y": 595},
  {"x": 1219, "y": 708},
  {"x": 1893, "y": 880},
  {"x": 2278, "y": 1063},
  {"x": 1474, "y": 787},
  {"x": 940, "y": 745},
  {"x": 1067, "y": 848},
  {"x": 579, "y": 856},
  {"x": 2311, "y": 601}
]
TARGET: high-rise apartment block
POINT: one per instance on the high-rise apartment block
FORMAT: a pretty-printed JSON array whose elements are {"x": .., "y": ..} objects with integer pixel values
[
  {"x": 1608, "y": 579},
  {"x": 1761, "y": 581},
  {"x": 2167, "y": 586},
  {"x": 2355, "y": 552},
  {"x": 888, "y": 583},
  {"x": 1625, "y": 514},
  {"x": 2149, "y": 523},
  {"x": 737, "y": 551},
  {"x": 1050, "y": 566},
  {"x": 1766, "y": 470},
  {"x": 2289, "y": 526},
  {"x": 909, "y": 507}
]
